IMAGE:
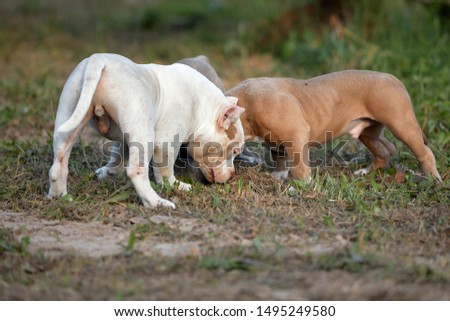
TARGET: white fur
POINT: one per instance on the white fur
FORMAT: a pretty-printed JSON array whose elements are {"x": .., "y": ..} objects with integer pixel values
[{"x": 152, "y": 103}]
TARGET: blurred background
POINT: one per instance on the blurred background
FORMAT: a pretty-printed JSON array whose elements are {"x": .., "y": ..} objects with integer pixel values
[
  {"x": 383, "y": 237},
  {"x": 41, "y": 41}
]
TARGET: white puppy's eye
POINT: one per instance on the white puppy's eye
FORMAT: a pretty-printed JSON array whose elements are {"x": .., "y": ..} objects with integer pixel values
[{"x": 236, "y": 151}]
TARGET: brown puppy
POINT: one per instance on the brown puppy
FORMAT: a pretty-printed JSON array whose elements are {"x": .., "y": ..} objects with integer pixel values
[
  {"x": 296, "y": 114},
  {"x": 202, "y": 65}
]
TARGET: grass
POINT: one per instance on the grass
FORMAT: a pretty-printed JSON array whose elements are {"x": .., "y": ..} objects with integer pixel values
[{"x": 254, "y": 237}]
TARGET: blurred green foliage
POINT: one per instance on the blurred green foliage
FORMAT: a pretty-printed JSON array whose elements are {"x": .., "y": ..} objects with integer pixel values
[
  {"x": 304, "y": 38},
  {"x": 396, "y": 233},
  {"x": 405, "y": 38}
]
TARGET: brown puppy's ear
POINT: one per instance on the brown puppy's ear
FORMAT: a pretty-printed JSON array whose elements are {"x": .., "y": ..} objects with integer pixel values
[{"x": 229, "y": 115}]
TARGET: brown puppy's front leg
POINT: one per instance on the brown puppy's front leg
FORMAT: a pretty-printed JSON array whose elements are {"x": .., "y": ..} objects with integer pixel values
[{"x": 298, "y": 154}]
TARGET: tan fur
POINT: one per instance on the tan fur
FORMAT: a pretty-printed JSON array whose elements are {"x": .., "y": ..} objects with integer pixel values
[
  {"x": 232, "y": 132},
  {"x": 302, "y": 112},
  {"x": 202, "y": 65}
]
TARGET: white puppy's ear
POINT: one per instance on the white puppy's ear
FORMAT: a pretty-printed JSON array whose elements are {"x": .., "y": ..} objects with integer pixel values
[
  {"x": 233, "y": 100},
  {"x": 229, "y": 115}
]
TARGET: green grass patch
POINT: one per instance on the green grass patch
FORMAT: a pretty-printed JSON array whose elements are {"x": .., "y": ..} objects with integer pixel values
[{"x": 254, "y": 237}]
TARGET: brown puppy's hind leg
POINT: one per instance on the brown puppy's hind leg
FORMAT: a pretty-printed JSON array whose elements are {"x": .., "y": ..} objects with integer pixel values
[
  {"x": 415, "y": 141},
  {"x": 403, "y": 124},
  {"x": 382, "y": 149}
]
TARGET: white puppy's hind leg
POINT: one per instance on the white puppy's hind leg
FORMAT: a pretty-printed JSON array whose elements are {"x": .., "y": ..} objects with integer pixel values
[
  {"x": 63, "y": 142},
  {"x": 62, "y": 146},
  {"x": 58, "y": 175}
]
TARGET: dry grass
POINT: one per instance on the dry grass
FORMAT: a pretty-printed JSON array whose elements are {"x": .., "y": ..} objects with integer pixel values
[{"x": 341, "y": 237}]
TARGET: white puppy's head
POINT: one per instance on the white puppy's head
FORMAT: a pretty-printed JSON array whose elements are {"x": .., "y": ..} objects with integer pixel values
[{"x": 215, "y": 149}]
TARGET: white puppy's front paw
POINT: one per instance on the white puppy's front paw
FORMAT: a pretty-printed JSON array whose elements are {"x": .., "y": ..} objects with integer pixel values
[
  {"x": 154, "y": 203},
  {"x": 165, "y": 203},
  {"x": 184, "y": 186}
]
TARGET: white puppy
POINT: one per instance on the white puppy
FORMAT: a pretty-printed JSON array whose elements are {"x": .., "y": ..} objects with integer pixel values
[{"x": 152, "y": 109}]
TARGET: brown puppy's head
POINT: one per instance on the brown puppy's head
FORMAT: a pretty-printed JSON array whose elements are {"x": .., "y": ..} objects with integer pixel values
[{"x": 215, "y": 149}]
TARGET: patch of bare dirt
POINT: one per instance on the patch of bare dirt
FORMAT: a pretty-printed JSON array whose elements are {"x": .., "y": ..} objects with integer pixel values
[
  {"x": 192, "y": 237},
  {"x": 53, "y": 238}
]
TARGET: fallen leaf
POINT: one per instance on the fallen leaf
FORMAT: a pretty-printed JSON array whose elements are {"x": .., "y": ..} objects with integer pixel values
[{"x": 400, "y": 176}]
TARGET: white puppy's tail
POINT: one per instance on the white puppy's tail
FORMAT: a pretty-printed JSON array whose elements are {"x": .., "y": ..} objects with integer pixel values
[{"x": 92, "y": 74}]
